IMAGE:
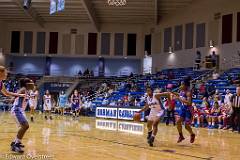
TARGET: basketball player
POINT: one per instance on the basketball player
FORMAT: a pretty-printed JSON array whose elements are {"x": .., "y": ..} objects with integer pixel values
[
  {"x": 75, "y": 100},
  {"x": 47, "y": 106},
  {"x": 62, "y": 100},
  {"x": 186, "y": 113},
  {"x": 3, "y": 76},
  {"x": 33, "y": 95},
  {"x": 156, "y": 112},
  {"x": 18, "y": 112}
]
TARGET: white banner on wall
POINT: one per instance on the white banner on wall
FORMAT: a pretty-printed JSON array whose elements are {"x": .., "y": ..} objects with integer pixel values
[
  {"x": 121, "y": 126},
  {"x": 106, "y": 112},
  {"x": 147, "y": 65}
]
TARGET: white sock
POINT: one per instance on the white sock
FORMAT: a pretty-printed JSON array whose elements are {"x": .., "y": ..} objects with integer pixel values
[{"x": 17, "y": 140}]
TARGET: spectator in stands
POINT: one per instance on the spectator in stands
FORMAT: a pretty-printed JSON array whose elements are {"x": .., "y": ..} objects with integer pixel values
[
  {"x": 80, "y": 73},
  {"x": 211, "y": 101},
  {"x": 105, "y": 101},
  {"x": 112, "y": 103},
  {"x": 196, "y": 116},
  {"x": 225, "y": 117},
  {"x": 194, "y": 91},
  {"x": 214, "y": 59},
  {"x": 227, "y": 98},
  {"x": 86, "y": 72},
  {"x": 91, "y": 73},
  {"x": 131, "y": 75},
  {"x": 205, "y": 103},
  {"x": 229, "y": 78},
  {"x": 214, "y": 114},
  {"x": 215, "y": 75},
  {"x": 210, "y": 90},
  {"x": 202, "y": 90},
  {"x": 198, "y": 60},
  {"x": 205, "y": 110},
  {"x": 237, "y": 80},
  {"x": 170, "y": 75},
  {"x": 217, "y": 97}
]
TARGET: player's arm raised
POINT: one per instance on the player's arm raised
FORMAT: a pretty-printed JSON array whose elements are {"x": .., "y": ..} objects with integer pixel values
[
  {"x": 164, "y": 94},
  {"x": 11, "y": 94}
]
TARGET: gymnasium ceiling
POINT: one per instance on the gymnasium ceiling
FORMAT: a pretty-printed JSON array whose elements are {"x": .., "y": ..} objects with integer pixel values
[{"x": 91, "y": 11}]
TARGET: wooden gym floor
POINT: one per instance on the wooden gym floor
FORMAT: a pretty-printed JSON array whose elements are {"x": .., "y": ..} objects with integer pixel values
[{"x": 88, "y": 138}]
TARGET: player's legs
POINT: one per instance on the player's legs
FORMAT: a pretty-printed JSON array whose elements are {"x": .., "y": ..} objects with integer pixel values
[
  {"x": 62, "y": 111},
  {"x": 78, "y": 112},
  {"x": 180, "y": 120},
  {"x": 198, "y": 121},
  {"x": 220, "y": 121},
  {"x": 188, "y": 120},
  {"x": 179, "y": 128},
  {"x": 73, "y": 111},
  {"x": 210, "y": 120},
  {"x": 32, "y": 111},
  {"x": 46, "y": 114},
  {"x": 201, "y": 119},
  {"x": 154, "y": 131},
  {"x": 168, "y": 117},
  {"x": 21, "y": 120},
  {"x": 21, "y": 132},
  {"x": 155, "y": 126},
  {"x": 173, "y": 117},
  {"x": 50, "y": 113},
  {"x": 150, "y": 128}
]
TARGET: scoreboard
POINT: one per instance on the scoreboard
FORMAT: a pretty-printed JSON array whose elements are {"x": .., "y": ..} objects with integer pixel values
[{"x": 56, "y": 6}]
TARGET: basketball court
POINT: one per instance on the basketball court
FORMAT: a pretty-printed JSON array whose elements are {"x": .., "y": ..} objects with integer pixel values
[
  {"x": 109, "y": 52},
  {"x": 90, "y": 138}
]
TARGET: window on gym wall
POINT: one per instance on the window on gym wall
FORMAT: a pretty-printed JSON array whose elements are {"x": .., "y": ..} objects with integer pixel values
[
  {"x": 41, "y": 36},
  {"x": 28, "y": 40},
  {"x": 167, "y": 39},
  {"x": 105, "y": 43},
  {"x": 189, "y": 35},
  {"x": 92, "y": 43},
  {"x": 200, "y": 35},
  {"x": 148, "y": 41},
  {"x": 118, "y": 44},
  {"x": 178, "y": 31},
  {"x": 238, "y": 26},
  {"x": 15, "y": 42},
  {"x": 227, "y": 30},
  {"x": 53, "y": 43},
  {"x": 131, "y": 44}
]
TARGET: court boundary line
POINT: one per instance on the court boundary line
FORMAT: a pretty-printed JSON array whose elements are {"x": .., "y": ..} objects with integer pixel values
[{"x": 142, "y": 147}]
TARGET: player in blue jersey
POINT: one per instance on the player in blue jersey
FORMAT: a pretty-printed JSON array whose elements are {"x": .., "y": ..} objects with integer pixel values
[
  {"x": 185, "y": 114},
  {"x": 62, "y": 101},
  {"x": 18, "y": 113}
]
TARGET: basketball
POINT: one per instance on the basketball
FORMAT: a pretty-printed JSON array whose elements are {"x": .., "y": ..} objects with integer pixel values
[{"x": 137, "y": 117}]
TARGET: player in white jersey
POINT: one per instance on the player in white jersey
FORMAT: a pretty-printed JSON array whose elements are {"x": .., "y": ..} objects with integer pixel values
[
  {"x": 33, "y": 101},
  {"x": 47, "y": 104},
  {"x": 154, "y": 103}
]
